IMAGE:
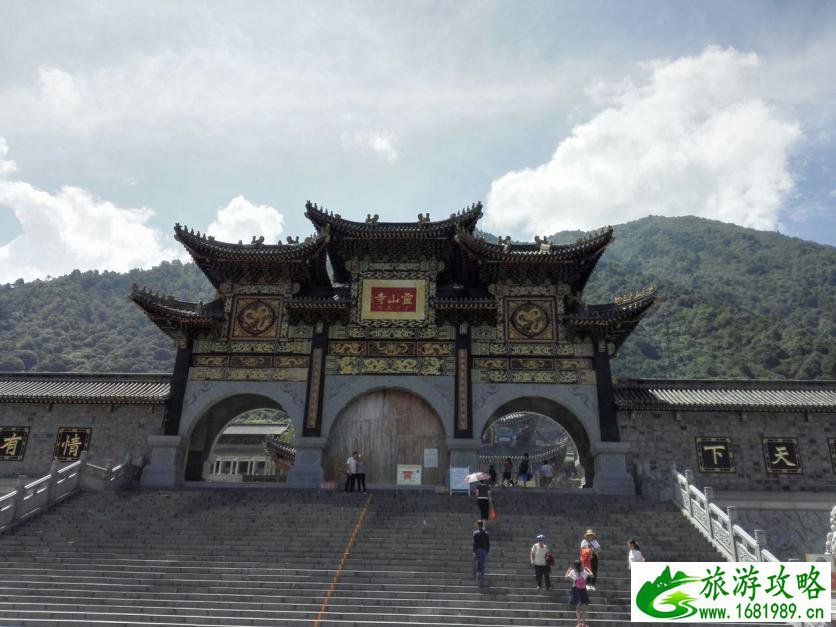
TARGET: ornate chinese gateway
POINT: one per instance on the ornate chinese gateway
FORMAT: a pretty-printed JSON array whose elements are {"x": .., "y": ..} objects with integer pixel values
[{"x": 392, "y": 338}]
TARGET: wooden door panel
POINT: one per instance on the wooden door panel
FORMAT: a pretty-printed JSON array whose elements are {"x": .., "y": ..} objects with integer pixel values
[{"x": 388, "y": 427}]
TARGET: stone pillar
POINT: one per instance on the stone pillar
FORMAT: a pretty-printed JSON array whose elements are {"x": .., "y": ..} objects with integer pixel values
[
  {"x": 611, "y": 475},
  {"x": 166, "y": 466},
  {"x": 306, "y": 471},
  {"x": 464, "y": 453}
]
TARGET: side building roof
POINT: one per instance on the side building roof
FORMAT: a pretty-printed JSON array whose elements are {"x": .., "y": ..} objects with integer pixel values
[
  {"x": 638, "y": 394},
  {"x": 726, "y": 395},
  {"x": 66, "y": 387}
]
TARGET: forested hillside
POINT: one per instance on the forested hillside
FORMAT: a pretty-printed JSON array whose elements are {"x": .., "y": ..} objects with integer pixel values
[{"x": 734, "y": 303}]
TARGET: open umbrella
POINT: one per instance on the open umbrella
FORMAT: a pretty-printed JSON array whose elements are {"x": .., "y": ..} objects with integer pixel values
[{"x": 477, "y": 476}]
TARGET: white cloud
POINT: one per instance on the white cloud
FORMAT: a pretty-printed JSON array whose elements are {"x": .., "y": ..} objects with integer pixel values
[
  {"x": 72, "y": 229},
  {"x": 377, "y": 143},
  {"x": 692, "y": 136},
  {"x": 7, "y": 166},
  {"x": 241, "y": 220}
]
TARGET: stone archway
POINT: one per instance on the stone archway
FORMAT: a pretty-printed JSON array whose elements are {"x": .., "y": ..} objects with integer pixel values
[
  {"x": 388, "y": 427},
  {"x": 560, "y": 415},
  {"x": 209, "y": 426}
]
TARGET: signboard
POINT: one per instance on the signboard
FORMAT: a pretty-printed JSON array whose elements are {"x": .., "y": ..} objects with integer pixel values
[
  {"x": 458, "y": 482},
  {"x": 430, "y": 458},
  {"x": 409, "y": 474},
  {"x": 13, "y": 443},
  {"x": 394, "y": 299},
  {"x": 70, "y": 443},
  {"x": 715, "y": 454},
  {"x": 781, "y": 456}
]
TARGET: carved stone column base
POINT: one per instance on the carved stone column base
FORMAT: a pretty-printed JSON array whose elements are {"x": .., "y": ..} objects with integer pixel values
[
  {"x": 464, "y": 453},
  {"x": 611, "y": 475},
  {"x": 165, "y": 468},
  {"x": 307, "y": 471}
]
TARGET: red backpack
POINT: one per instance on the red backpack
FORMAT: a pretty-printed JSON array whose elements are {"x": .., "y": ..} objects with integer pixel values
[{"x": 586, "y": 557}]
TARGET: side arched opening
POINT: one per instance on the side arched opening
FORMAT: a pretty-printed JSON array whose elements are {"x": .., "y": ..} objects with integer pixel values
[
  {"x": 211, "y": 425},
  {"x": 545, "y": 430}
]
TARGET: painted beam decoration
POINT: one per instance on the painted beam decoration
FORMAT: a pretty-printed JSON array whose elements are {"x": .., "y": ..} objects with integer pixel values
[
  {"x": 70, "y": 443},
  {"x": 394, "y": 299},
  {"x": 715, "y": 454},
  {"x": 13, "y": 443},
  {"x": 782, "y": 456}
]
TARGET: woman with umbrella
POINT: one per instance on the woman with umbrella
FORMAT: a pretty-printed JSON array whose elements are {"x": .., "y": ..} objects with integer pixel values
[{"x": 483, "y": 494}]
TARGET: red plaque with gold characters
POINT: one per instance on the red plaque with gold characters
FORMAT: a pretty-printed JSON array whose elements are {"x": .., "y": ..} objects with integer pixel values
[
  {"x": 394, "y": 299},
  {"x": 70, "y": 443},
  {"x": 13, "y": 443}
]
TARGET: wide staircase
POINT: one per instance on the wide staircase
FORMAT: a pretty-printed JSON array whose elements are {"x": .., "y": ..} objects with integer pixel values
[{"x": 284, "y": 557}]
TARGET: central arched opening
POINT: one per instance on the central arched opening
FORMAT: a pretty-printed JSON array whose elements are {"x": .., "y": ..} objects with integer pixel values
[
  {"x": 245, "y": 437},
  {"x": 388, "y": 427},
  {"x": 546, "y": 435}
]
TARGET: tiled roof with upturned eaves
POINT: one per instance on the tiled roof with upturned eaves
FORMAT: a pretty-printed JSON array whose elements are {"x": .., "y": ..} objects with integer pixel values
[
  {"x": 590, "y": 247},
  {"x": 373, "y": 229},
  {"x": 59, "y": 387},
  {"x": 201, "y": 246},
  {"x": 732, "y": 395}
]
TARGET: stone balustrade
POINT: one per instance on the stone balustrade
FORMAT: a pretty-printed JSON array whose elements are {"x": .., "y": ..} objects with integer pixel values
[
  {"x": 716, "y": 525},
  {"x": 31, "y": 498}
]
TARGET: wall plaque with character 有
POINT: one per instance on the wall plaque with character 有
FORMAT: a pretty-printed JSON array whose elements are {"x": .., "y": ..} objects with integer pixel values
[{"x": 13, "y": 443}]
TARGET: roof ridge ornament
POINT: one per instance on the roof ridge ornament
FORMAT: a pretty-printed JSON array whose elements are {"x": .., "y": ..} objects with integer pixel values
[
  {"x": 372, "y": 219},
  {"x": 639, "y": 294},
  {"x": 422, "y": 219},
  {"x": 543, "y": 243}
]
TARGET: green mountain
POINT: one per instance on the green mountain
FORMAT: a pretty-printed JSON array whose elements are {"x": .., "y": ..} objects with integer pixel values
[{"x": 735, "y": 303}]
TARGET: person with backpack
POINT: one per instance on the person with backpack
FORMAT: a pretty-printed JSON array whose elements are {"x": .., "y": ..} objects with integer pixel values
[
  {"x": 481, "y": 548},
  {"x": 540, "y": 558},
  {"x": 634, "y": 554},
  {"x": 579, "y": 597},
  {"x": 589, "y": 556}
]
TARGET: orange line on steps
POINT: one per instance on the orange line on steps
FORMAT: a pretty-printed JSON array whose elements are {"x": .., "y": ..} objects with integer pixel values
[{"x": 346, "y": 552}]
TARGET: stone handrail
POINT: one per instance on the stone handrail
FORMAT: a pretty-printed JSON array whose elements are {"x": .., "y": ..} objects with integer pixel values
[
  {"x": 32, "y": 498},
  {"x": 718, "y": 526}
]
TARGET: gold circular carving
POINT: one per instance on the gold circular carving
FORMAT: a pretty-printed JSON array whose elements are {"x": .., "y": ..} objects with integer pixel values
[
  {"x": 256, "y": 317},
  {"x": 530, "y": 319}
]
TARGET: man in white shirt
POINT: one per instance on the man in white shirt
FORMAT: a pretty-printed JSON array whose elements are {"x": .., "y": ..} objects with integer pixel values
[
  {"x": 537, "y": 555},
  {"x": 351, "y": 472}
]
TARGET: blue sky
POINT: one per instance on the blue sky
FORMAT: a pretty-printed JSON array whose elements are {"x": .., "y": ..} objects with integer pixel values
[{"x": 118, "y": 120}]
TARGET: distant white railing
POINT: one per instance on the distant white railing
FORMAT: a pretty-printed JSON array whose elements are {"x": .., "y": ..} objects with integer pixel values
[
  {"x": 718, "y": 526},
  {"x": 30, "y": 499}
]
